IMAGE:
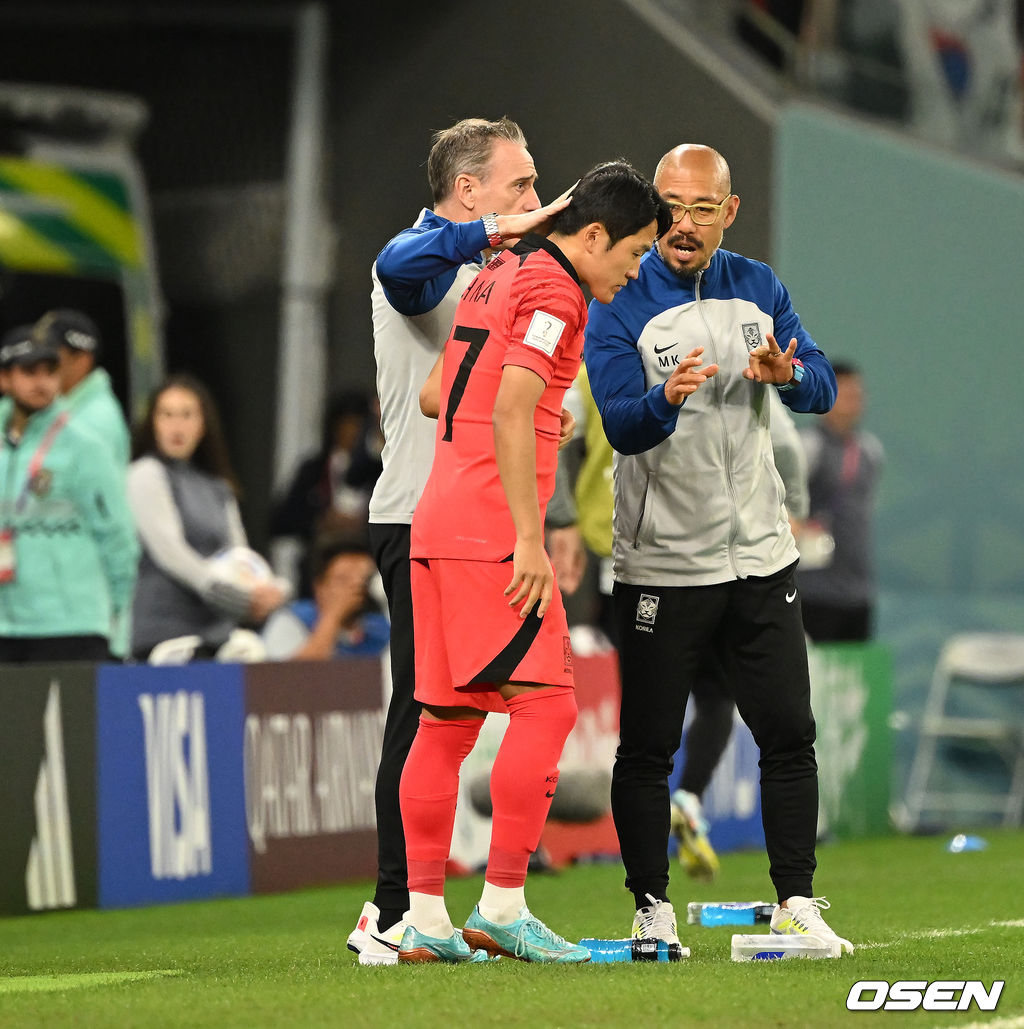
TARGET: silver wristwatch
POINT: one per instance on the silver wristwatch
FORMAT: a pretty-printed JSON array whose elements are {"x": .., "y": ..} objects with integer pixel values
[{"x": 494, "y": 237}]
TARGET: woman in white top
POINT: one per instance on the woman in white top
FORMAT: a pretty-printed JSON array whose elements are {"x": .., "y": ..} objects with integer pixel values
[{"x": 183, "y": 494}]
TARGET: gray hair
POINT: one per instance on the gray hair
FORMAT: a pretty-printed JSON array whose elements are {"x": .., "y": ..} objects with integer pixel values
[{"x": 466, "y": 148}]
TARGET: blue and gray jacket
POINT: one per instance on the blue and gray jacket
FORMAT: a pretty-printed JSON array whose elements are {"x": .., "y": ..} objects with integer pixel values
[{"x": 698, "y": 499}]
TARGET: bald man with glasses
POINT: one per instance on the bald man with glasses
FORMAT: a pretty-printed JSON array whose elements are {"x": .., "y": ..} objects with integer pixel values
[{"x": 680, "y": 367}]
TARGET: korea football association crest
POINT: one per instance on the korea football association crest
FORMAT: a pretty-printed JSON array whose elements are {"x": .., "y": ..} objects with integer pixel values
[
  {"x": 646, "y": 612},
  {"x": 752, "y": 335}
]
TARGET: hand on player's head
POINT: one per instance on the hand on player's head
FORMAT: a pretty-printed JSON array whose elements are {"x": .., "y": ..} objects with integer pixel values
[{"x": 514, "y": 226}]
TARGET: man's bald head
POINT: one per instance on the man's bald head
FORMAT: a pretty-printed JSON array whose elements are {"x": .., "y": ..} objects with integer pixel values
[
  {"x": 696, "y": 157},
  {"x": 694, "y": 181}
]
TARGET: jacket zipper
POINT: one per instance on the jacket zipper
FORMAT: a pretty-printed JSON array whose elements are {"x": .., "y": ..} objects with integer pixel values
[
  {"x": 719, "y": 386},
  {"x": 640, "y": 517}
]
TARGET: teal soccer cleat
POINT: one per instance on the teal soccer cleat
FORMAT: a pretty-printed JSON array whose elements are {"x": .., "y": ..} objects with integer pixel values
[
  {"x": 527, "y": 939},
  {"x": 416, "y": 948}
]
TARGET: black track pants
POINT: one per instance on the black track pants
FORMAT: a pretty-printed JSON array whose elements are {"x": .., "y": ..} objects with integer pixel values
[
  {"x": 391, "y": 552},
  {"x": 753, "y": 627}
]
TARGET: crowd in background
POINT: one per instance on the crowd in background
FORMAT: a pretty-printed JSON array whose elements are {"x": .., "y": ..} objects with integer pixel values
[
  {"x": 950, "y": 70},
  {"x": 162, "y": 569},
  {"x": 138, "y": 552},
  {"x": 119, "y": 545}
]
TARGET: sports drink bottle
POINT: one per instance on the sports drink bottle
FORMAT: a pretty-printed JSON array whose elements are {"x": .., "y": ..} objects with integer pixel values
[
  {"x": 633, "y": 950},
  {"x": 729, "y": 913}
]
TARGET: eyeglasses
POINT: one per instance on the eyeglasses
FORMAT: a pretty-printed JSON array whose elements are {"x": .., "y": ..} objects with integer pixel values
[{"x": 701, "y": 213}]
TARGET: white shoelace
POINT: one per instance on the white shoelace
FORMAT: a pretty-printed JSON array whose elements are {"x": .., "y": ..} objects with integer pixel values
[
  {"x": 809, "y": 916},
  {"x": 660, "y": 923},
  {"x": 541, "y": 930}
]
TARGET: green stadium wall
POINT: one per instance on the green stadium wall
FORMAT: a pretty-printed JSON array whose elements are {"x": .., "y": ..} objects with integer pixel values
[{"x": 907, "y": 261}]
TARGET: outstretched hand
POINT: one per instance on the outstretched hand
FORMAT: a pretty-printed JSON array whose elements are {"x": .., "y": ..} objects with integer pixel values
[
  {"x": 769, "y": 363},
  {"x": 514, "y": 226},
  {"x": 687, "y": 377}
]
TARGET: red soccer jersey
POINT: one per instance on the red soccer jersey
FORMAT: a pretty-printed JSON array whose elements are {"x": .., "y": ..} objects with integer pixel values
[{"x": 526, "y": 308}]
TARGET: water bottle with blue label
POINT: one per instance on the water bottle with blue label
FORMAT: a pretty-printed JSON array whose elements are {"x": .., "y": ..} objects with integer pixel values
[
  {"x": 606, "y": 951},
  {"x": 751, "y": 912}
]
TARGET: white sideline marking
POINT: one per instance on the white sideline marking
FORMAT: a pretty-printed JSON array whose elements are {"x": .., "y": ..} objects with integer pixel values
[
  {"x": 942, "y": 934},
  {"x": 1014, "y": 1022},
  {"x": 73, "y": 980}
]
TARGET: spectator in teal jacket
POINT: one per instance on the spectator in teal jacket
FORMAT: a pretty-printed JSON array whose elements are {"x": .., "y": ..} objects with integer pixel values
[
  {"x": 86, "y": 388},
  {"x": 68, "y": 550}
]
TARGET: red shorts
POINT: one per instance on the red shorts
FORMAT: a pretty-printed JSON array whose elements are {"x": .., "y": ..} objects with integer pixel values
[{"x": 469, "y": 641}]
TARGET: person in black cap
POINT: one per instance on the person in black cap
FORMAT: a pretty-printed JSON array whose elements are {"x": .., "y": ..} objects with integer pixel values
[
  {"x": 68, "y": 550},
  {"x": 86, "y": 387},
  {"x": 22, "y": 348}
]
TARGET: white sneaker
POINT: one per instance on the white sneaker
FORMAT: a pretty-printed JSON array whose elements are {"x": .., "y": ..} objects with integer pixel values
[
  {"x": 381, "y": 948},
  {"x": 357, "y": 939},
  {"x": 658, "y": 922},
  {"x": 802, "y": 917},
  {"x": 373, "y": 946}
]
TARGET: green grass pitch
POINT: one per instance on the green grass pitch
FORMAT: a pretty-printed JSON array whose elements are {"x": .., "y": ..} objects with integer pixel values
[{"x": 914, "y": 910}]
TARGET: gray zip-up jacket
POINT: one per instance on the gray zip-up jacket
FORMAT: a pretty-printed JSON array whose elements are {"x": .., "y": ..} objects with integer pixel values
[{"x": 698, "y": 499}]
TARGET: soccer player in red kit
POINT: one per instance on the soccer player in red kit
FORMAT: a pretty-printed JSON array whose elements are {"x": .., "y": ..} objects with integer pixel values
[{"x": 490, "y": 628}]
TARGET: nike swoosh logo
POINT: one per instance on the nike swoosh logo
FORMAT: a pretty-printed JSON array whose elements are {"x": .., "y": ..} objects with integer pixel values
[
  {"x": 384, "y": 943},
  {"x": 790, "y": 597},
  {"x": 661, "y": 350}
]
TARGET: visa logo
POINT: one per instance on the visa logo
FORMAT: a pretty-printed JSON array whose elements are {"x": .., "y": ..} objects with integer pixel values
[{"x": 177, "y": 784}]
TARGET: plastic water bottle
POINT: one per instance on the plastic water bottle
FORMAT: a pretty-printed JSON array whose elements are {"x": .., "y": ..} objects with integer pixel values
[
  {"x": 729, "y": 913},
  {"x": 605, "y": 951}
]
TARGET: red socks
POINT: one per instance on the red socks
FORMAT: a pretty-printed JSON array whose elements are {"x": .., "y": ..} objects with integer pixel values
[
  {"x": 523, "y": 781},
  {"x": 524, "y": 778},
  {"x": 428, "y": 792}
]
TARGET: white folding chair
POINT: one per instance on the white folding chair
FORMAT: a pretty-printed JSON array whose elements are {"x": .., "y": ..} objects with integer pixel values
[{"x": 976, "y": 696}]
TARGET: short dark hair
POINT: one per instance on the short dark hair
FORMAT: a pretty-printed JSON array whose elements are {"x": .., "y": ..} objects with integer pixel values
[
  {"x": 328, "y": 547},
  {"x": 347, "y": 403},
  {"x": 844, "y": 368},
  {"x": 619, "y": 197},
  {"x": 465, "y": 148}
]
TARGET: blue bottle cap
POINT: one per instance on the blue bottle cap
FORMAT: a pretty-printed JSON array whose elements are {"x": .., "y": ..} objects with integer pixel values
[{"x": 961, "y": 843}]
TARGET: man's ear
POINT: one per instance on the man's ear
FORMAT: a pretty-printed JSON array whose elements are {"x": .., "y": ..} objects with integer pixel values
[
  {"x": 594, "y": 237},
  {"x": 731, "y": 211},
  {"x": 467, "y": 190}
]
